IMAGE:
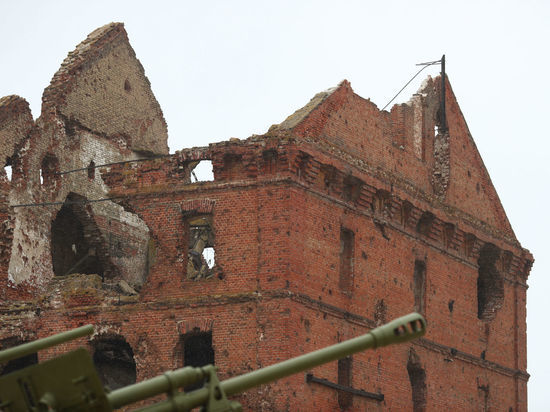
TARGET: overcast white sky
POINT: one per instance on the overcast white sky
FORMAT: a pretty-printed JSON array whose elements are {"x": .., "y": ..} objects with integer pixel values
[{"x": 222, "y": 69}]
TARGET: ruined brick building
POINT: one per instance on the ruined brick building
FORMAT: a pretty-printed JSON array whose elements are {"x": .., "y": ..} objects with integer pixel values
[{"x": 338, "y": 219}]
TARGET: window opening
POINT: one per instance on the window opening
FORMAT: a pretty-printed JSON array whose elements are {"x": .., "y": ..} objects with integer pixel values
[
  {"x": 448, "y": 234},
  {"x": 48, "y": 171},
  {"x": 91, "y": 170},
  {"x": 417, "y": 378},
  {"x": 419, "y": 285},
  {"x": 424, "y": 225},
  {"x": 202, "y": 172},
  {"x": 232, "y": 165},
  {"x": 406, "y": 211},
  {"x": 8, "y": 169},
  {"x": 75, "y": 240},
  {"x": 490, "y": 283},
  {"x": 270, "y": 158},
  {"x": 469, "y": 243},
  {"x": 347, "y": 240},
  {"x": 381, "y": 202},
  {"x": 345, "y": 398},
  {"x": 114, "y": 361},
  {"x": 328, "y": 176},
  {"x": 352, "y": 188},
  {"x": 195, "y": 349},
  {"x": 201, "y": 255}
]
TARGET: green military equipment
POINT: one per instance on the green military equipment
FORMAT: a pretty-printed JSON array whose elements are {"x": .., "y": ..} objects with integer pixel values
[{"x": 70, "y": 382}]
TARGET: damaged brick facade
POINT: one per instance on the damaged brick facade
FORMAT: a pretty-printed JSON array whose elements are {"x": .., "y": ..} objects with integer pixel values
[{"x": 338, "y": 219}]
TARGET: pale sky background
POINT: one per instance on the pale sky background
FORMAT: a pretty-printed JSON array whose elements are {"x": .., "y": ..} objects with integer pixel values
[{"x": 222, "y": 69}]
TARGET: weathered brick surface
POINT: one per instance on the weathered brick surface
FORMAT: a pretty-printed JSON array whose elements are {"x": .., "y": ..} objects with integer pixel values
[{"x": 402, "y": 191}]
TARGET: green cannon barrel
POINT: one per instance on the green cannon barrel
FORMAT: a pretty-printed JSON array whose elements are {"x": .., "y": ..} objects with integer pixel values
[
  {"x": 33, "y": 347},
  {"x": 399, "y": 330}
]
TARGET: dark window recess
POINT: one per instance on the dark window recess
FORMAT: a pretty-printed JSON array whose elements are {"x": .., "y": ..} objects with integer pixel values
[
  {"x": 448, "y": 234},
  {"x": 382, "y": 202},
  {"x": 270, "y": 159},
  {"x": 48, "y": 171},
  {"x": 302, "y": 165},
  {"x": 114, "y": 361},
  {"x": 91, "y": 170},
  {"x": 469, "y": 243},
  {"x": 352, "y": 188},
  {"x": 406, "y": 211},
  {"x": 76, "y": 242},
  {"x": 347, "y": 240},
  {"x": 328, "y": 176},
  {"x": 419, "y": 285},
  {"x": 232, "y": 166},
  {"x": 195, "y": 349},
  {"x": 345, "y": 398},
  {"x": 490, "y": 283},
  {"x": 417, "y": 378},
  {"x": 201, "y": 255},
  {"x": 424, "y": 225}
]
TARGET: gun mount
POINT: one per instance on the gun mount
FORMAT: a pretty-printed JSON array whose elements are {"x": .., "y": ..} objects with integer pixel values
[{"x": 70, "y": 382}]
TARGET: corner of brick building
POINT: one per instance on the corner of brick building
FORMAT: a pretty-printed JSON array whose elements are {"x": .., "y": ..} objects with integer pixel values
[{"x": 338, "y": 219}]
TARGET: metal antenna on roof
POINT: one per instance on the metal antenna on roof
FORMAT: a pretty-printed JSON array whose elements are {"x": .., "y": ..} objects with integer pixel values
[{"x": 424, "y": 65}]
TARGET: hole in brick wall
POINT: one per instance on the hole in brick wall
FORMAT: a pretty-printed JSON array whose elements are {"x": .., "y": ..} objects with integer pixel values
[
  {"x": 19, "y": 363},
  {"x": 195, "y": 349},
  {"x": 345, "y": 398},
  {"x": 382, "y": 202},
  {"x": 448, "y": 234},
  {"x": 8, "y": 169},
  {"x": 232, "y": 165},
  {"x": 208, "y": 255},
  {"x": 469, "y": 243},
  {"x": 270, "y": 159},
  {"x": 114, "y": 361},
  {"x": 406, "y": 211},
  {"x": 347, "y": 243},
  {"x": 91, "y": 170},
  {"x": 419, "y": 285},
  {"x": 352, "y": 188},
  {"x": 328, "y": 176},
  {"x": 417, "y": 379},
  {"x": 48, "y": 171},
  {"x": 201, "y": 255},
  {"x": 127, "y": 85},
  {"x": 424, "y": 225},
  {"x": 202, "y": 172},
  {"x": 490, "y": 283},
  {"x": 75, "y": 240},
  {"x": 451, "y": 305},
  {"x": 302, "y": 165}
]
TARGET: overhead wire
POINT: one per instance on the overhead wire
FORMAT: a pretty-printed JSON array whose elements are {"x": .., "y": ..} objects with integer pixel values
[{"x": 424, "y": 66}]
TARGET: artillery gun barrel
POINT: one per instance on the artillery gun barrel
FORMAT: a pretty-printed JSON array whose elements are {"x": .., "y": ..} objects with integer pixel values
[
  {"x": 33, "y": 347},
  {"x": 164, "y": 383},
  {"x": 399, "y": 330}
]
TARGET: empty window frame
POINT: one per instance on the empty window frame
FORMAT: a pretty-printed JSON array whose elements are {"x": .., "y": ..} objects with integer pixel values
[
  {"x": 114, "y": 361},
  {"x": 195, "y": 349},
  {"x": 201, "y": 253}
]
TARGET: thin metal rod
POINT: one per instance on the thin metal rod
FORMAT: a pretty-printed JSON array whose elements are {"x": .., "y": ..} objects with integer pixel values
[
  {"x": 442, "y": 110},
  {"x": 414, "y": 77}
]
